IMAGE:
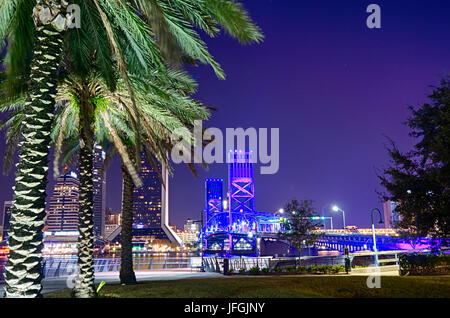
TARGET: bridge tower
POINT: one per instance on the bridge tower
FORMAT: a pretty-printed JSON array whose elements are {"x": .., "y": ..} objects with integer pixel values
[
  {"x": 241, "y": 181},
  {"x": 214, "y": 197}
]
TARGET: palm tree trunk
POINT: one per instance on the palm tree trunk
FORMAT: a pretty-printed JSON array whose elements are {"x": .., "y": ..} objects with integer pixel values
[
  {"x": 23, "y": 269},
  {"x": 127, "y": 275},
  {"x": 86, "y": 287}
]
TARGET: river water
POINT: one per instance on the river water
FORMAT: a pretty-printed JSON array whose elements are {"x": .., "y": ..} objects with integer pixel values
[{"x": 61, "y": 265}]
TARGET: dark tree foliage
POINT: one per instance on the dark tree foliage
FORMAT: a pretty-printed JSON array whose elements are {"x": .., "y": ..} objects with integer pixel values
[
  {"x": 419, "y": 180},
  {"x": 2, "y": 68},
  {"x": 299, "y": 224}
]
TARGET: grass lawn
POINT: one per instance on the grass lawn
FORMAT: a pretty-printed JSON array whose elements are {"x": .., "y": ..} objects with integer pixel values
[{"x": 280, "y": 286}]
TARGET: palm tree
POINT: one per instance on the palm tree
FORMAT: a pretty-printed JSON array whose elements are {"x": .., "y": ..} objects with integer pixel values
[
  {"x": 162, "y": 105},
  {"x": 165, "y": 108},
  {"x": 45, "y": 22},
  {"x": 174, "y": 23},
  {"x": 36, "y": 33},
  {"x": 124, "y": 45}
]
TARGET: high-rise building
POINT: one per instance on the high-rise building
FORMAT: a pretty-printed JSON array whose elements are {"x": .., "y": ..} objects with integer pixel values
[
  {"x": 147, "y": 199},
  {"x": 151, "y": 205},
  {"x": 6, "y": 216},
  {"x": 64, "y": 204},
  {"x": 99, "y": 180},
  {"x": 112, "y": 217},
  {"x": 191, "y": 226},
  {"x": 391, "y": 216}
]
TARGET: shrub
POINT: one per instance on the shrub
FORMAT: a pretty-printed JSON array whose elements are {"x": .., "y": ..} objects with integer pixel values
[
  {"x": 266, "y": 270},
  {"x": 278, "y": 270},
  {"x": 313, "y": 269},
  {"x": 301, "y": 269},
  {"x": 337, "y": 268},
  {"x": 254, "y": 271},
  {"x": 242, "y": 271},
  {"x": 324, "y": 269},
  {"x": 231, "y": 271},
  {"x": 421, "y": 263},
  {"x": 290, "y": 269}
]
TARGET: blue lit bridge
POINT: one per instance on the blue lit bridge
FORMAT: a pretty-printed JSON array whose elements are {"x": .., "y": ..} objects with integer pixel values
[{"x": 362, "y": 239}]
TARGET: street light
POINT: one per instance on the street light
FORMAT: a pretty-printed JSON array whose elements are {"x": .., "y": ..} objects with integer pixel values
[
  {"x": 335, "y": 208},
  {"x": 225, "y": 205},
  {"x": 373, "y": 234},
  {"x": 202, "y": 269}
]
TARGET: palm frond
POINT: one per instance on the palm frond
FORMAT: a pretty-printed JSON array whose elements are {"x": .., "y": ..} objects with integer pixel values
[
  {"x": 232, "y": 16},
  {"x": 59, "y": 141},
  {"x": 168, "y": 46},
  {"x": 189, "y": 40},
  {"x": 122, "y": 151},
  {"x": 7, "y": 11}
]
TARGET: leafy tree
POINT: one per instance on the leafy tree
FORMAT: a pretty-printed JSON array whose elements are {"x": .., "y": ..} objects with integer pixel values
[
  {"x": 299, "y": 224},
  {"x": 419, "y": 180}
]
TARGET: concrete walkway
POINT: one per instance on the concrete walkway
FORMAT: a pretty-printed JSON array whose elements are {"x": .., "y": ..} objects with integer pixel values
[{"x": 50, "y": 285}]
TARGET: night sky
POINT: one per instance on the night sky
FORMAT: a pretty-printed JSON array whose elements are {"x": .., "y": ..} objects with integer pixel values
[{"x": 335, "y": 89}]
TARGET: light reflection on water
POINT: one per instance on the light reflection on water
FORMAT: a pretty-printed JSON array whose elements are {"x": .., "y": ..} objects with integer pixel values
[{"x": 176, "y": 259}]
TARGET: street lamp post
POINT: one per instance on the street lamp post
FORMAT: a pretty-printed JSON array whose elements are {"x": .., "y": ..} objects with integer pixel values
[
  {"x": 202, "y": 268},
  {"x": 336, "y": 209},
  {"x": 377, "y": 264}
]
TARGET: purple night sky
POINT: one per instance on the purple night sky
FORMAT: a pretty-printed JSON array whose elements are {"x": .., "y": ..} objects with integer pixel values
[{"x": 334, "y": 88}]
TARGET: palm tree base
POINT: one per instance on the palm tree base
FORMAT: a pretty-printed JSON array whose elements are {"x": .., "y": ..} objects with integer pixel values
[
  {"x": 83, "y": 293},
  {"x": 128, "y": 279}
]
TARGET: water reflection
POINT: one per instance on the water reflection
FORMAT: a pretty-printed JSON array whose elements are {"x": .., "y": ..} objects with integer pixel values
[{"x": 63, "y": 265}]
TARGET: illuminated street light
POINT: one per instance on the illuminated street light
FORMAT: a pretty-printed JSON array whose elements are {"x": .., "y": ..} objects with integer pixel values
[
  {"x": 281, "y": 210},
  {"x": 335, "y": 208},
  {"x": 225, "y": 205},
  {"x": 377, "y": 264}
]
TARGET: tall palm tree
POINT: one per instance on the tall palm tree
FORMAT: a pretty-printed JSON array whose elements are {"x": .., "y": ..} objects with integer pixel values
[
  {"x": 45, "y": 22},
  {"x": 165, "y": 108},
  {"x": 123, "y": 45},
  {"x": 36, "y": 33}
]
